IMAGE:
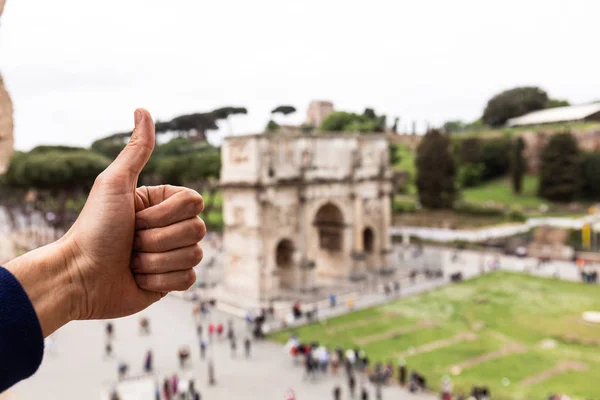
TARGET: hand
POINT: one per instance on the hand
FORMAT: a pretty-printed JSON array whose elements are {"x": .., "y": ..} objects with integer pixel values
[{"x": 103, "y": 267}]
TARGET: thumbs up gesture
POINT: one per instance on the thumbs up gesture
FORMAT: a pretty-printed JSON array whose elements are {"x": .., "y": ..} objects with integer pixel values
[
  {"x": 134, "y": 245},
  {"x": 128, "y": 248}
]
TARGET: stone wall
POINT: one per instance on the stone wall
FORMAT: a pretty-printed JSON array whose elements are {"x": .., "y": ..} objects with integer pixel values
[{"x": 6, "y": 121}]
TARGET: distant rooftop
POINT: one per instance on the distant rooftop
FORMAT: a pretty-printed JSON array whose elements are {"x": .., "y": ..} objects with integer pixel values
[{"x": 558, "y": 114}]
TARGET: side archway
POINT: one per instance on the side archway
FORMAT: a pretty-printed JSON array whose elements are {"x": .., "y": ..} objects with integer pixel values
[{"x": 284, "y": 260}]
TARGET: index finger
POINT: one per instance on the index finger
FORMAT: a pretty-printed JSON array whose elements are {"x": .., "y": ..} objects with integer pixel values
[{"x": 179, "y": 207}]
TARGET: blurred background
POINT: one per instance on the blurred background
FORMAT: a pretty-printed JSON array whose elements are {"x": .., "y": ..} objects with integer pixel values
[{"x": 489, "y": 114}]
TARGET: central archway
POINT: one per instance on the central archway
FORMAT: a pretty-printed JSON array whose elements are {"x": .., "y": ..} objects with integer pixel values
[
  {"x": 329, "y": 222},
  {"x": 284, "y": 259}
]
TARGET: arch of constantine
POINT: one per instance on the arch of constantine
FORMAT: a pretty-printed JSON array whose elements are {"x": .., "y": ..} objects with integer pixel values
[{"x": 302, "y": 212}]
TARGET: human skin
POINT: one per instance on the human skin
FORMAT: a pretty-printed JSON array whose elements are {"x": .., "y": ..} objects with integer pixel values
[{"x": 128, "y": 248}]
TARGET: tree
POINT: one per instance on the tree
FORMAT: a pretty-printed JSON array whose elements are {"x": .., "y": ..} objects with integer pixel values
[
  {"x": 272, "y": 126},
  {"x": 395, "y": 127},
  {"x": 518, "y": 164},
  {"x": 284, "y": 110},
  {"x": 341, "y": 121},
  {"x": 454, "y": 126},
  {"x": 58, "y": 177},
  {"x": 514, "y": 103},
  {"x": 553, "y": 103},
  {"x": 560, "y": 168},
  {"x": 470, "y": 150},
  {"x": 435, "y": 171},
  {"x": 590, "y": 172},
  {"x": 495, "y": 156}
]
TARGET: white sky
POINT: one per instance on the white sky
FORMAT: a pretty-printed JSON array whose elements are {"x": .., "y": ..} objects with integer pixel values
[{"x": 76, "y": 69}]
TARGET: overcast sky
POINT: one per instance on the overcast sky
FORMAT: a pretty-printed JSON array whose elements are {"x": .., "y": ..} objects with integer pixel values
[{"x": 76, "y": 69}]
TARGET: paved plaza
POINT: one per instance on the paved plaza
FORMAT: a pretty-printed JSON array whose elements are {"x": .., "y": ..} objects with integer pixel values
[{"x": 75, "y": 367}]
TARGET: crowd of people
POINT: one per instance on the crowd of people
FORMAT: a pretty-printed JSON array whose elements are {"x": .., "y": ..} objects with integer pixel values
[{"x": 207, "y": 332}]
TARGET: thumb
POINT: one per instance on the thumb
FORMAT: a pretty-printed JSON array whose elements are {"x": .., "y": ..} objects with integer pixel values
[{"x": 136, "y": 153}]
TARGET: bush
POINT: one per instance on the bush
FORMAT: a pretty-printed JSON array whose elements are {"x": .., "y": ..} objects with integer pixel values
[
  {"x": 516, "y": 215},
  {"x": 403, "y": 206},
  {"x": 590, "y": 173},
  {"x": 272, "y": 126},
  {"x": 513, "y": 103},
  {"x": 470, "y": 151},
  {"x": 560, "y": 168},
  {"x": 470, "y": 175},
  {"x": 463, "y": 207},
  {"x": 495, "y": 155}
]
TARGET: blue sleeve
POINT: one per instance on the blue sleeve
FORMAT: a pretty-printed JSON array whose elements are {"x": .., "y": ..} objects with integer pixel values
[{"x": 21, "y": 339}]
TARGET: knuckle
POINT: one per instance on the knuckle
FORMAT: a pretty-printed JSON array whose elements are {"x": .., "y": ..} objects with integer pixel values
[
  {"x": 199, "y": 229},
  {"x": 196, "y": 202},
  {"x": 190, "y": 278},
  {"x": 197, "y": 254}
]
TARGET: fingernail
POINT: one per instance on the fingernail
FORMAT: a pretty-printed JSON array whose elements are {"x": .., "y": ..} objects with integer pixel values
[
  {"x": 138, "y": 115},
  {"x": 141, "y": 224}
]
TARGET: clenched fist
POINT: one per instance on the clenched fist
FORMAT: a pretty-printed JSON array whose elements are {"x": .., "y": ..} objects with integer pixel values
[{"x": 128, "y": 248}]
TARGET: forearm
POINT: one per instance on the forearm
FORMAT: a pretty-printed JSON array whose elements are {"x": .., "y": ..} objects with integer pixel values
[{"x": 44, "y": 275}]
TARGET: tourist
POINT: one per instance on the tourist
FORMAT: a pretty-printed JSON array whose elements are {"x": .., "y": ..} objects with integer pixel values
[
  {"x": 108, "y": 349},
  {"x": 249, "y": 319},
  {"x": 323, "y": 356},
  {"x": 402, "y": 373},
  {"x": 199, "y": 329},
  {"x": 191, "y": 388},
  {"x": 233, "y": 345},
  {"x": 387, "y": 290},
  {"x": 297, "y": 310},
  {"x": 211, "y": 331},
  {"x": 247, "y": 345},
  {"x": 337, "y": 392},
  {"x": 230, "y": 331},
  {"x": 219, "y": 329},
  {"x": 351, "y": 385},
  {"x": 114, "y": 395},
  {"x": 167, "y": 389},
  {"x": 203, "y": 345},
  {"x": 350, "y": 303},
  {"x": 144, "y": 326},
  {"x": 211, "y": 373},
  {"x": 335, "y": 363},
  {"x": 109, "y": 330},
  {"x": 364, "y": 394},
  {"x": 446, "y": 388},
  {"x": 148, "y": 362},
  {"x": 397, "y": 288},
  {"x": 122, "y": 368},
  {"x": 183, "y": 354},
  {"x": 332, "y": 300},
  {"x": 174, "y": 384}
]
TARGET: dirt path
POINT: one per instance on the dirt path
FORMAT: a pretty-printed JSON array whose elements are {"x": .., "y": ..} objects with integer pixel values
[
  {"x": 439, "y": 344},
  {"x": 393, "y": 333},
  {"x": 561, "y": 367},
  {"x": 506, "y": 350},
  {"x": 362, "y": 322}
]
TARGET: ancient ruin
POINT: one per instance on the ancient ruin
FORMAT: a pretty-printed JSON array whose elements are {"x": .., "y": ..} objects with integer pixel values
[{"x": 302, "y": 212}]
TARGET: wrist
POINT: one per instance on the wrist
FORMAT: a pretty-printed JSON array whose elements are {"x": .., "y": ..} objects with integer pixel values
[{"x": 44, "y": 274}]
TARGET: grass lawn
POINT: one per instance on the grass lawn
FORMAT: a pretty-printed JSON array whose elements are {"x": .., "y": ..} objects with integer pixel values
[
  {"x": 487, "y": 329},
  {"x": 500, "y": 191}
]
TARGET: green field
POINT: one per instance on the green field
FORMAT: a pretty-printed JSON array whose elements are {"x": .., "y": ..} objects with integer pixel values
[
  {"x": 500, "y": 191},
  {"x": 490, "y": 328}
]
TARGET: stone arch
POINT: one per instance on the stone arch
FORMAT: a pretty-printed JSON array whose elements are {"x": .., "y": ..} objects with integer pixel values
[
  {"x": 284, "y": 261},
  {"x": 369, "y": 240},
  {"x": 329, "y": 221}
]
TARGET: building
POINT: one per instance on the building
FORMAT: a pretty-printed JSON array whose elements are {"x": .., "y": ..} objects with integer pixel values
[
  {"x": 584, "y": 112},
  {"x": 317, "y": 111},
  {"x": 303, "y": 211},
  {"x": 6, "y": 122}
]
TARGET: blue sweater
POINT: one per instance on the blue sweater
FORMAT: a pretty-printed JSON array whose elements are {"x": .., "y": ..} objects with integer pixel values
[{"x": 21, "y": 339}]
